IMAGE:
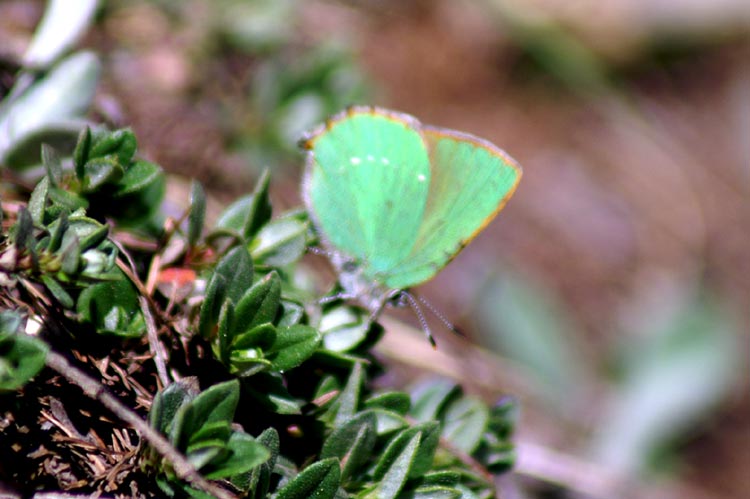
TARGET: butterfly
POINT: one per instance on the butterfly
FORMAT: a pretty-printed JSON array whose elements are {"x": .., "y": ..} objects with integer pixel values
[{"x": 393, "y": 201}]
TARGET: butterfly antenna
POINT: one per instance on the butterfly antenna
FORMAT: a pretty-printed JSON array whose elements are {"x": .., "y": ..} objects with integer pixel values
[
  {"x": 448, "y": 324},
  {"x": 420, "y": 316}
]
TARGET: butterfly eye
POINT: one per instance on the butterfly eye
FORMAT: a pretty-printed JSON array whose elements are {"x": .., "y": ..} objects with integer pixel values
[{"x": 399, "y": 300}]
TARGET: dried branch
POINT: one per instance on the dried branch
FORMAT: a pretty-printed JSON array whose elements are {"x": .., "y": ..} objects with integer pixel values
[{"x": 92, "y": 388}]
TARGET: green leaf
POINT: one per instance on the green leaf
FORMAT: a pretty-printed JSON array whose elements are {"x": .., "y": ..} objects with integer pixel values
[
  {"x": 22, "y": 152},
  {"x": 445, "y": 478},
  {"x": 213, "y": 301},
  {"x": 292, "y": 313},
  {"x": 21, "y": 356},
  {"x": 231, "y": 277},
  {"x": 260, "y": 303},
  {"x": 69, "y": 253},
  {"x": 112, "y": 307},
  {"x": 216, "y": 404},
  {"x": 258, "y": 480},
  {"x": 262, "y": 336},
  {"x": 214, "y": 433},
  {"x": 293, "y": 346},
  {"x": 52, "y": 164},
  {"x": 88, "y": 231},
  {"x": 504, "y": 417},
  {"x": 54, "y": 287},
  {"x": 430, "y": 397},
  {"x": 246, "y": 354},
  {"x": 23, "y": 234},
  {"x": 56, "y": 231},
  {"x": 432, "y": 492},
  {"x": 38, "y": 201},
  {"x": 169, "y": 400},
  {"x": 389, "y": 421},
  {"x": 138, "y": 177},
  {"x": 497, "y": 457},
  {"x": 281, "y": 242},
  {"x": 81, "y": 152},
  {"x": 138, "y": 202},
  {"x": 352, "y": 443},
  {"x": 226, "y": 330},
  {"x": 64, "y": 200},
  {"x": 259, "y": 211},
  {"x": 464, "y": 422},
  {"x": 343, "y": 328},
  {"x": 234, "y": 217},
  {"x": 397, "y": 402},
  {"x": 394, "y": 466},
  {"x": 205, "y": 451},
  {"x": 318, "y": 481},
  {"x": 120, "y": 145},
  {"x": 237, "y": 269},
  {"x": 347, "y": 403},
  {"x": 269, "y": 390},
  {"x": 197, "y": 215},
  {"x": 244, "y": 454},
  {"x": 422, "y": 461},
  {"x": 99, "y": 172}
]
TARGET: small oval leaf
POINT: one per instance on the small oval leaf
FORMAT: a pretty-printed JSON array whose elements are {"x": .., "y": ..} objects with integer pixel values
[{"x": 318, "y": 481}]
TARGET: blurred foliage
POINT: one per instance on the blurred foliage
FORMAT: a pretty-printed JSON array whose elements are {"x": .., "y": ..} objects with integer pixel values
[
  {"x": 293, "y": 84},
  {"x": 291, "y": 93},
  {"x": 53, "y": 93},
  {"x": 526, "y": 322},
  {"x": 683, "y": 362}
]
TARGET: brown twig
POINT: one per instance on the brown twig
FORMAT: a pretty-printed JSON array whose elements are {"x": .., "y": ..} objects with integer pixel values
[
  {"x": 156, "y": 346},
  {"x": 158, "y": 351},
  {"x": 92, "y": 388}
]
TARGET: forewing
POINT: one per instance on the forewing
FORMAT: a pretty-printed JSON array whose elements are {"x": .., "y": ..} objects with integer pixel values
[
  {"x": 471, "y": 182},
  {"x": 366, "y": 185}
]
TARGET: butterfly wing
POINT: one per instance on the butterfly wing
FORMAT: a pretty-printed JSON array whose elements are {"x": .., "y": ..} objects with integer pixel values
[
  {"x": 471, "y": 182},
  {"x": 366, "y": 185}
]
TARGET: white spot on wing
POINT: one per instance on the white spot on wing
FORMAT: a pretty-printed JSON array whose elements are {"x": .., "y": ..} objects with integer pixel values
[
  {"x": 421, "y": 177},
  {"x": 385, "y": 161},
  {"x": 355, "y": 160}
]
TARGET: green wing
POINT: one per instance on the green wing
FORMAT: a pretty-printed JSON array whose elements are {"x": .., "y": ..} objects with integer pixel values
[
  {"x": 471, "y": 182},
  {"x": 366, "y": 185}
]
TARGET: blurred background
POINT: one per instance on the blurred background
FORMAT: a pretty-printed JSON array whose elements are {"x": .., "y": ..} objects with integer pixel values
[{"x": 611, "y": 295}]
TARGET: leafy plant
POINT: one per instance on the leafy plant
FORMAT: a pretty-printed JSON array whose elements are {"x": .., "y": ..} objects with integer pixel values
[
  {"x": 287, "y": 407},
  {"x": 54, "y": 242},
  {"x": 200, "y": 426}
]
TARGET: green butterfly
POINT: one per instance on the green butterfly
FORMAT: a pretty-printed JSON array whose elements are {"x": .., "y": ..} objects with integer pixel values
[{"x": 394, "y": 201}]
